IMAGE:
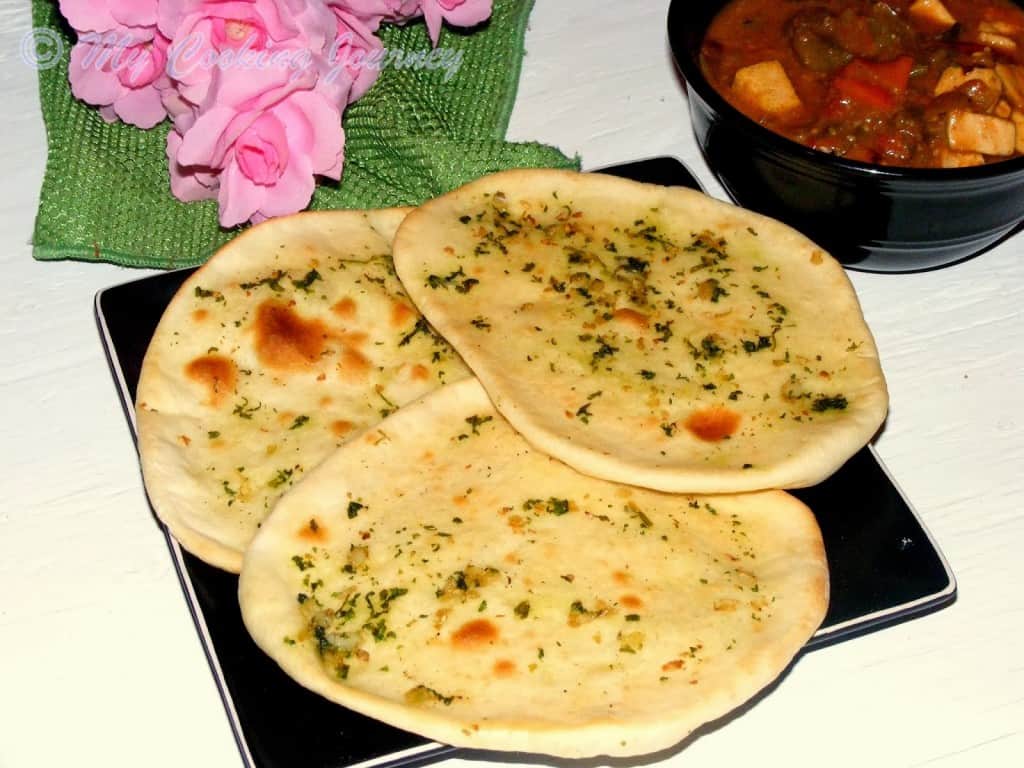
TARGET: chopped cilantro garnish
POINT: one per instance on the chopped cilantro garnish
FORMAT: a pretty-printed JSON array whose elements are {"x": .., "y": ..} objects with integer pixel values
[
  {"x": 279, "y": 479},
  {"x": 311, "y": 277},
  {"x": 557, "y": 506},
  {"x": 633, "y": 264},
  {"x": 763, "y": 342},
  {"x": 477, "y": 421},
  {"x": 273, "y": 282},
  {"x": 664, "y": 330},
  {"x": 244, "y": 411},
  {"x": 604, "y": 350},
  {"x": 583, "y": 413},
  {"x": 824, "y": 403},
  {"x": 420, "y": 327}
]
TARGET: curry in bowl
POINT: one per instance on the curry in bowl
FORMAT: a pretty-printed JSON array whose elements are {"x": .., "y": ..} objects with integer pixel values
[{"x": 910, "y": 83}]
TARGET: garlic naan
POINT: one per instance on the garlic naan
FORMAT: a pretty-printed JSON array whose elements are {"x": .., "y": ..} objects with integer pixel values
[
  {"x": 645, "y": 334},
  {"x": 292, "y": 336},
  {"x": 438, "y": 574}
]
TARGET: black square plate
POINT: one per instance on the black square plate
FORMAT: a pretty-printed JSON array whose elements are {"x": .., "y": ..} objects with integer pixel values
[{"x": 884, "y": 568}]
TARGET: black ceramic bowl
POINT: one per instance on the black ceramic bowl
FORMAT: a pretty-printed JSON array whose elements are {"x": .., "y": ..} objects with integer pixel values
[{"x": 869, "y": 217}]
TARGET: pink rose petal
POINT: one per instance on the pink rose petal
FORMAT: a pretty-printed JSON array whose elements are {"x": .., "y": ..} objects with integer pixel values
[
  {"x": 262, "y": 151},
  {"x": 293, "y": 190},
  {"x": 204, "y": 143},
  {"x": 187, "y": 185},
  {"x": 89, "y": 81},
  {"x": 141, "y": 107},
  {"x": 238, "y": 197},
  {"x": 459, "y": 13},
  {"x": 134, "y": 13},
  {"x": 327, "y": 139},
  {"x": 88, "y": 15}
]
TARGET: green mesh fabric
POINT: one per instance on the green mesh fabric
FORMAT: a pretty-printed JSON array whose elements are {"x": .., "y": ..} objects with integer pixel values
[{"x": 106, "y": 193}]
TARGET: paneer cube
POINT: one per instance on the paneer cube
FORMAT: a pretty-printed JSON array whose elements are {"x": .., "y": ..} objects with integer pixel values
[
  {"x": 1012, "y": 76},
  {"x": 766, "y": 85},
  {"x": 931, "y": 14},
  {"x": 953, "y": 77},
  {"x": 973, "y": 132},
  {"x": 1000, "y": 27},
  {"x": 950, "y": 159},
  {"x": 1018, "y": 121},
  {"x": 997, "y": 35}
]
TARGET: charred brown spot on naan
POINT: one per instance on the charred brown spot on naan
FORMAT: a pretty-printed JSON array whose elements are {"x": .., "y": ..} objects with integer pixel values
[
  {"x": 354, "y": 364},
  {"x": 314, "y": 531},
  {"x": 631, "y": 317},
  {"x": 401, "y": 313},
  {"x": 504, "y": 668},
  {"x": 287, "y": 340},
  {"x": 475, "y": 634},
  {"x": 341, "y": 427},
  {"x": 713, "y": 424},
  {"x": 217, "y": 373},
  {"x": 345, "y": 308}
]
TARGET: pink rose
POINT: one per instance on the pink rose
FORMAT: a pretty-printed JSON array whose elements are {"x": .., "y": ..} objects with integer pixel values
[
  {"x": 353, "y": 58},
  {"x": 458, "y": 13},
  {"x": 182, "y": 112},
  {"x": 104, "y": 15},
  {"x": 208, "y": 35},
  {"x": 258, "y": 152},
  {"x": 122, "y": 74},
  {"x": 281, "y": 19},
  {"x": 189, "y": 184},
  {"x": 356, "y": 53},
  {"x": 373, "y": 12},
  {"x": 255, "y": 88}
]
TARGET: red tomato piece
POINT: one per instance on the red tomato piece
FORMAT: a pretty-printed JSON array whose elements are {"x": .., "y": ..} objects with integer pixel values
[
  {"x": 894, "y": 75},
  {"x": 863, "y": 93},
  {"x": 891, "y": 75},
  {"x": 877, "y": 85}
]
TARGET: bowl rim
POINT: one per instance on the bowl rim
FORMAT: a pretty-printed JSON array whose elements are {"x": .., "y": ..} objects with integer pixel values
[{"x": 690, "y": 69}]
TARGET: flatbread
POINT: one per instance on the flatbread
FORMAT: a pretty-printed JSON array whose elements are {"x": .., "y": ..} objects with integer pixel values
[
  {"x": 440, "y": 575},
  {"x": 291, "y": 337},
  {"x": 646, "y": 334}
]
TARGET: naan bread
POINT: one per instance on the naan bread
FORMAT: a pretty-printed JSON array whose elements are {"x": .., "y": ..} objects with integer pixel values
[
  {"x": 645, "y": 334},
  {"x": 292, "y": 336},
  {"x": 440, "y": 575}
]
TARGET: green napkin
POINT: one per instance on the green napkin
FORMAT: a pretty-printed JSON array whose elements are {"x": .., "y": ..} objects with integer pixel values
[{"x": 106, "y": 193}]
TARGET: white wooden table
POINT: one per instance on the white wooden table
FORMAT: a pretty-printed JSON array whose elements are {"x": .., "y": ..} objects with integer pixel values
[{"x": 100, "y": 663}]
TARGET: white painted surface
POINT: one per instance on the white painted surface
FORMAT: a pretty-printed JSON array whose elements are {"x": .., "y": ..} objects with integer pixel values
[{"x": 99, "y": 661}]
